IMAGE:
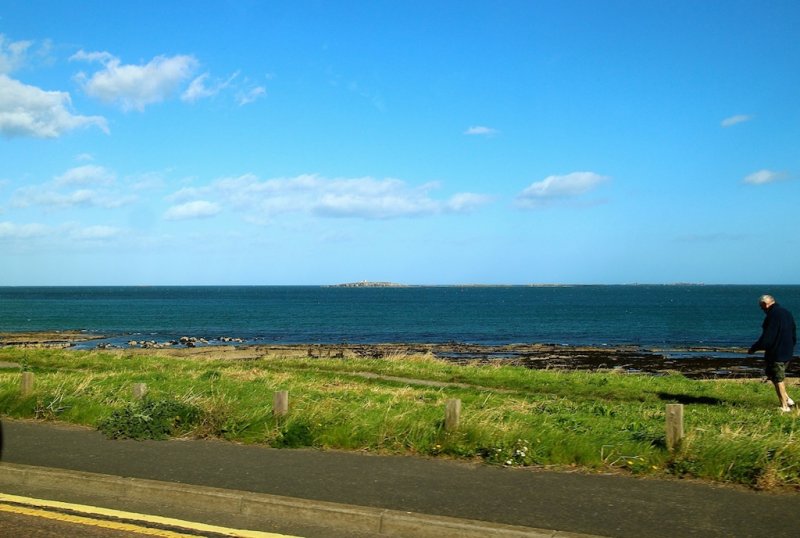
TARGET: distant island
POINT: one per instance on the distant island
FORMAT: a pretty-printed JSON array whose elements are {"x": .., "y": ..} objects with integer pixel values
[{"x": 369, "y": 284}]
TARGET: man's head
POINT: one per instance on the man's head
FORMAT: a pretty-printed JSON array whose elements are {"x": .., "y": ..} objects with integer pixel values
[{"x": 765, "y": 302}]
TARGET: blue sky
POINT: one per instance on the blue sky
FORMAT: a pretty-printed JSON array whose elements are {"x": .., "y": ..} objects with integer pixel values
[{"x": 247, "y": 142}]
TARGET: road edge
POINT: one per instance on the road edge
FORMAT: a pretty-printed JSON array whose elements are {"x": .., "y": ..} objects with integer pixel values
[{"x": 259, "y": 508}]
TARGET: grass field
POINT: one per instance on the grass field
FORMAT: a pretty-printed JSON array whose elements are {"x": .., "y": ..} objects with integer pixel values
[{"x": 510, "y": 415}]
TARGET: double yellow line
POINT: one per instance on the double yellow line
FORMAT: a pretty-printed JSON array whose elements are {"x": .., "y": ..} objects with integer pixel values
[{"x": 119, "y": 520}]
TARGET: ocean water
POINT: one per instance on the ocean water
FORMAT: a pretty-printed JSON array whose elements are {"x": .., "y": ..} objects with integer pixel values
[{"x": 667, "y": 316}]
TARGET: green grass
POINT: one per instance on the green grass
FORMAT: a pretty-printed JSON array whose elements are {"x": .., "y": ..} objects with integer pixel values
[{"x": 510, "y": 415}]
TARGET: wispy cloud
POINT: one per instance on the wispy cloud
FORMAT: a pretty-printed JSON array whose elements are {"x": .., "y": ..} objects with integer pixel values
[
  {"x": 137, "y": 86},
  {"x": 363, "y": 198},
  {"x": 28, "y": 111},
  {"x": 82, "y": 186},
  {"x": 764, "y": 176},
  {"x": 205, "y": 86},
  {"x": 94, "y": 233},
  {"x": 10, "y": 230},
  {"x": 734, "y": 120},
  {"x": 198, "y": 89},
  {"x": 13, "y": 54},
  {"x": 480, "y": 130},
  {"x": 89, "y": 174},
  {"x": 245, "y": 97},
  {"x": 559, "y": 187},
  {"x": 52, "y": 199},
  {"x": 466, "y": 202},
  {"x": 198, "y": 209},
  {"x": 134, "y": 87}
]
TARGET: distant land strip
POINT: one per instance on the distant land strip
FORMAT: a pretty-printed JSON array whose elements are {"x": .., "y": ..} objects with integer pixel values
[{"x": 370, "y": 284}]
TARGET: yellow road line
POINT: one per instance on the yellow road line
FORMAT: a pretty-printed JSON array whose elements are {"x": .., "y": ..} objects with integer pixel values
[
  {"x": 40, "y": 506},
  {"x": 104, "y": 524}
]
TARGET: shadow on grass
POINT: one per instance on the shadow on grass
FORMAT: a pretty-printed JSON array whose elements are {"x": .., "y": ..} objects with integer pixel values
[{"x": 687, "y": 399}]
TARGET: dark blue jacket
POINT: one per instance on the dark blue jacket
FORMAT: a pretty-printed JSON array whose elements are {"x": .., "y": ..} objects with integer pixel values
[{"x": 778, "y": 335}]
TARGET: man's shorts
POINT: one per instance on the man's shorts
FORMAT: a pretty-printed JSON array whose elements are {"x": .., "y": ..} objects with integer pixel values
[{"x": 776, "y": 371}]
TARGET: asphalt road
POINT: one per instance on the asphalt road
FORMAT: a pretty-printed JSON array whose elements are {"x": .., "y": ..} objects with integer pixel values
[
  {"x": 605, "y": 505},
  {"x": 27, "y": 526}
]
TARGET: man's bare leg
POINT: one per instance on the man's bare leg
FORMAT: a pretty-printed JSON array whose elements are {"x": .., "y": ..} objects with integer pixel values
[{"x": 783, "y": 398}]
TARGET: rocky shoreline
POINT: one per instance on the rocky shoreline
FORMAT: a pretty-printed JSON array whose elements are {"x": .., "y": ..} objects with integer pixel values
[
  {"x": 695, "y": 363},
  {"x": 698, "y": 363}
]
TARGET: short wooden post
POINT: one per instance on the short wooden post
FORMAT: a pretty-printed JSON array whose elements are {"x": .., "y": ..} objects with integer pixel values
[
  {"x": 452, "y": 415},
  {"x": 280, "y": 403},
  {"x": 26, "y": 384},
  {"x": 139, "y": 390},
  {"x": 674, "y": 425}
]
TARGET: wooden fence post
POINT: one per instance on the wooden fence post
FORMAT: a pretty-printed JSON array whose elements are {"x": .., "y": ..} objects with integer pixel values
[
  {"x": 452, "y": 415},
  {"x": 674, "y": 425},
  {"x": 26, "y": 384},
  {"x": 280, "y": 403},
  {"x": 139, "y": 390}
]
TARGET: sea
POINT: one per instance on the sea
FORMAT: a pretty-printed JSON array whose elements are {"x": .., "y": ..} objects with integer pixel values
[{"x": 677, "y": 317}]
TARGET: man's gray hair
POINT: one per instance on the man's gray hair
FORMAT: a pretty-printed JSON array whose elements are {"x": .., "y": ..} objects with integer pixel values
[{"x": 766, "y": 299}]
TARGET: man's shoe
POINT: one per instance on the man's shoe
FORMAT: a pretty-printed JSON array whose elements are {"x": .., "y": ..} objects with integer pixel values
[{"x": 790, "y": 402}]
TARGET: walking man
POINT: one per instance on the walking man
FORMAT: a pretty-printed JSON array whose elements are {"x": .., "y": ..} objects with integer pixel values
[{"x": 778, "y": 338}]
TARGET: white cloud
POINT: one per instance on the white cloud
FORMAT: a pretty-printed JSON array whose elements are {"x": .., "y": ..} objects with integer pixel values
[
  {"x": 733, "y": 120},
  {"x": 48, "y": 197},
  {"x": 387, "y": 205},
  {"x": 467, "y": 201},
  {"x": 192, "y": 210},
  {"x": 148, "y": 181},
  {"x": 480, "y": 130},
  {"x": 95, "y": 233},
  {"x": 198, "y": 90},
  {"x": 29, "y": 111},
  {"x": 10, "y": 230},
  {"x": 100, "y": 57},
  {"x": 251, "y": 95},
  {"x": 135, "y": 86},
  {"x": 763, "y": 176},
  {"x": 69, "y": 231},
  {"x": 72, "y": 188},
  {"x": 12, "y": 54},
  {"x": 559, "y": 187},
  {"x": 365, "y": 198},
  {"x": 187, "y": 194},
  {"x": 202, "y": 87},
  {"x": 89, "y": 174}
]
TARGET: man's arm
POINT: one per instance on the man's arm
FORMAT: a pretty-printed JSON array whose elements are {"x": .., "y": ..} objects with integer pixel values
[{"x": 769, "y": 332}]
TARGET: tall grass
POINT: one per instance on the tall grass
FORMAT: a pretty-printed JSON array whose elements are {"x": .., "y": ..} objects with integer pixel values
[{"x": 510, "y": 415}]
